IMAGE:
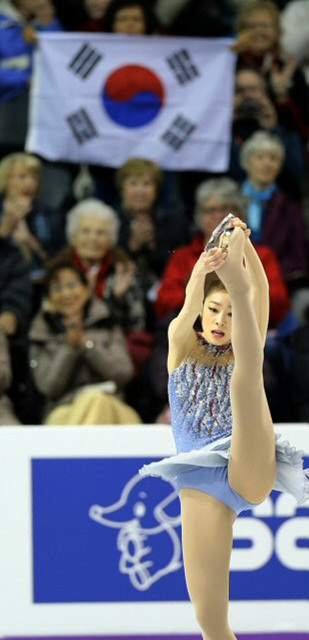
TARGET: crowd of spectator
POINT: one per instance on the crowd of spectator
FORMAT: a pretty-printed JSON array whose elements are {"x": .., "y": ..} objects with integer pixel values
[{"x": 95, "y": 261}]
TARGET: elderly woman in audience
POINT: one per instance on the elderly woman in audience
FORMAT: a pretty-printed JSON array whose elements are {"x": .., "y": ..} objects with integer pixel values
[
  {"x": 92, "y": 232},
  {"x": 79, "y": 356},
  {"x": 274, "y": 219},
  {"x": 148, "y": 233},
  {"x": 214, "y": 199},
  {"x": 258, "y": 44},
  {"x": 33, "y": 227}
]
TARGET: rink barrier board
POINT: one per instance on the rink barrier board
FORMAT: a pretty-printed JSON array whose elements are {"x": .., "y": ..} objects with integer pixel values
[
  {"x": 52, "y": 479},
  {"x": 284, "y": 636}
]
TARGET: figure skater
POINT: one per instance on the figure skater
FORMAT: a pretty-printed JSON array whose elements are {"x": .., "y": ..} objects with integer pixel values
[{"x": 228, "y": 459}]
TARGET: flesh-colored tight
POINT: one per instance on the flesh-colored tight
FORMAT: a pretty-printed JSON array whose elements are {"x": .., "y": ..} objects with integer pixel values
[{"x": 206, "y": 522}]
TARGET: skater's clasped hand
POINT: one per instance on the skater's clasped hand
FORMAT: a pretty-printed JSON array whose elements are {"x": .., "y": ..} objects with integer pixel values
[
  {"x": 237, "y": 222},
  {"x": 212, "y": 260}
]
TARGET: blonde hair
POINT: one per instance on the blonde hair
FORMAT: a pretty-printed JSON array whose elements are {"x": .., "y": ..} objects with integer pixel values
[
  {"x": 261, "y": 141},
  {"x": 258, "y": 5},
  {"x": 138, "y": 167},
  {"x": 32, "y": 163}
]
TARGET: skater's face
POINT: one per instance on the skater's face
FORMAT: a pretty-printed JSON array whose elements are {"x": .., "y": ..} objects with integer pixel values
[{"x": 217, "y": 317}]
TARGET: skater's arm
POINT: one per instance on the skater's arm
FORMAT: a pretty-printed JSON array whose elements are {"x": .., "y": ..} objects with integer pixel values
[
  {"x": 181, "y": 333},
  {"x": 260, "y": 288}
]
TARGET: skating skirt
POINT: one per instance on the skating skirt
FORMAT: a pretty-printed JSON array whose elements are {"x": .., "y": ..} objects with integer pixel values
[{"x": 206, "y": 469}]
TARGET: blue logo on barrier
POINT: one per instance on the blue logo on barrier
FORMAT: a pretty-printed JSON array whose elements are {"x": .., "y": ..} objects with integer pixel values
[{"x": 101, "y": 533}]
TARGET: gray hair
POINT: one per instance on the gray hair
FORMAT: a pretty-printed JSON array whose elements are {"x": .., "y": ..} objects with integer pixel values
[
  {"x": 261, "y": 141},
  {"x": 92, "y": 208},
  {"x": 224, "y": 189}
]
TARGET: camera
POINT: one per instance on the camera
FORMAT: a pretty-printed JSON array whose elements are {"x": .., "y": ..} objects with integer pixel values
[{"x": 249, "y": 109}]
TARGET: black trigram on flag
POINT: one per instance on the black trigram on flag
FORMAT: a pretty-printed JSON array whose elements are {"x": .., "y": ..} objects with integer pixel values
[
  {"x": 184, "y": 68},
  {"x": 82, "y": 127},
  {"x": 178, "y": 133},
  {"x": 85, "y": 61}
]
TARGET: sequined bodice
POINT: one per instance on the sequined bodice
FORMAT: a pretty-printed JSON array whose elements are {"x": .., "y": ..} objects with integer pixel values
[{"x": 199, "y": 395}]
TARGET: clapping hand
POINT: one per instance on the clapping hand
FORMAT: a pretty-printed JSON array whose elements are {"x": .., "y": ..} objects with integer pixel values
[
  {"x": 242, "y": 42},
  {"x": 142, "y": 233},
  {"x": 15, "y": 210},
  {"x": 124, "y": 277},
  {"x": 74, "y": 331},
  {"x": 9, "y": 323},
  {"x": 280, "y": 79}
]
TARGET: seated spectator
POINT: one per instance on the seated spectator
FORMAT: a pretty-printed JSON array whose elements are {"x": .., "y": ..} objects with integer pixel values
[
  {"x": 44, "y": 16},
  {"x": 259, "y": 32},
  {"x": 33, "y": 227},
  {"x": 92, "y": 232},
  {"x": 15, "y": 74},
  {"x": 75, "y": 347},
  {"x": 94, "y": 19},
  {"x": 147, "y": 233},
  {"x": 17, "y": 44},
  {"x": 130, "y": 17},
  {"x": 275, "y": 220},
  {"x": 7, "y": 414},
  {"x": 15, "y": 299},
  {"x": 254, "y": 110},
  {"x": 214, "y": 199}
]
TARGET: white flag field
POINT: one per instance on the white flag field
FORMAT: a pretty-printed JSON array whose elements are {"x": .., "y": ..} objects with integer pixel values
[{"x": 104, "y": 98}]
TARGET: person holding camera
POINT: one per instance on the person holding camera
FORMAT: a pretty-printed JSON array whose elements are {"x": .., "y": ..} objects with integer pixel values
[
  {"x": 254, "y": 110},
  {"x": 252, "y": 102}
]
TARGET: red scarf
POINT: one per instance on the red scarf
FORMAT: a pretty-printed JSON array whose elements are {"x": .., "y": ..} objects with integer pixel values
[{"x": 104, "y": 270}]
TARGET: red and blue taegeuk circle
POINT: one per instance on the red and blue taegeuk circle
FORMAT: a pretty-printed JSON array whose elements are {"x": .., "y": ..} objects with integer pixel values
[{"x": 133, "y": 96}]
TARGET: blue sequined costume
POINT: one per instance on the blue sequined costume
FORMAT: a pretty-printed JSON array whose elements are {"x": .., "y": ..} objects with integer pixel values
[{"x": 199, "y": 394}]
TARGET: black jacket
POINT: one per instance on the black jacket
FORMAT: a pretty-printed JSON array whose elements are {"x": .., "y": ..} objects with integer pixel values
[{"x": 15, "y": 288}]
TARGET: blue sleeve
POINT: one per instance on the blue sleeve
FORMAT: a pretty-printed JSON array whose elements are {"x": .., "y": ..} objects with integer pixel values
[{"x": 13, "y": 82}]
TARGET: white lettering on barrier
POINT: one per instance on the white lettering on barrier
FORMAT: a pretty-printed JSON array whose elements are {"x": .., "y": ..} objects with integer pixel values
[
  {"x": 289, "y": 554},
  {"x": 261, "y": 549}
]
